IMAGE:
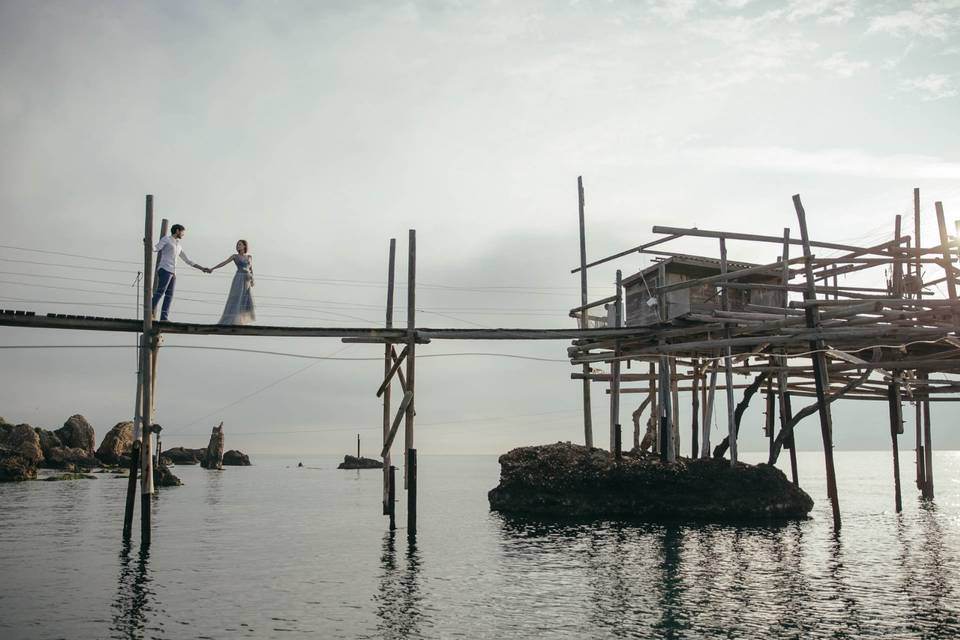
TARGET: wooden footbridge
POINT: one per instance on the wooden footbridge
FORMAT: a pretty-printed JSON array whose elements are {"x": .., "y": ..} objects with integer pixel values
[{"x": 685, "y": 318}]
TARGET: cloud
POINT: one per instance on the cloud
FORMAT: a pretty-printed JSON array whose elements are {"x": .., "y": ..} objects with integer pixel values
[
  {"x": 934, "y": 86},
  {"x": 673, "y": 10},
  {"x": 922, "y": 20},
  {"x": 848, "y": 162},
  {"x": 825, "y": 11},
  {"x": 839, "y": 65}
]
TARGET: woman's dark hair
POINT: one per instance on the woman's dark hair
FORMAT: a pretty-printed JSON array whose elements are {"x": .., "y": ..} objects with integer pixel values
[
  {"x": 175, "y": 228},
  {"x": 246, "y": 246}
]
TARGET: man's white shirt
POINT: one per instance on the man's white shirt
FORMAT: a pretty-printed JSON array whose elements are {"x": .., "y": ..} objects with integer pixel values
[{"x": 169, "y": 248}]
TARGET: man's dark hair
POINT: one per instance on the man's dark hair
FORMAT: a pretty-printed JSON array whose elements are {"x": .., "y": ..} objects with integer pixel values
[{"x": 175, "y": 228}]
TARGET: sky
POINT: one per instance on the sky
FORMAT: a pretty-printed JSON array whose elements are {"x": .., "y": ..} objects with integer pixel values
[{"x": 317, "y": 131}]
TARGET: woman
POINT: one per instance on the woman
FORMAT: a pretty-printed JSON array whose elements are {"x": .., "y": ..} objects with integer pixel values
[{"x": 239, "y": 308}]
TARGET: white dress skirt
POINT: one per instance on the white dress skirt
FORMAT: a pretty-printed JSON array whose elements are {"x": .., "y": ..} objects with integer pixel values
[{"x": 239, "y": 308}]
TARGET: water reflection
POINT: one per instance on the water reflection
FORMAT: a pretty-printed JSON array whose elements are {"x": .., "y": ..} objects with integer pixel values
[
  {"x": 134, "y": 594},
  {"x": 400, "y": 607}
]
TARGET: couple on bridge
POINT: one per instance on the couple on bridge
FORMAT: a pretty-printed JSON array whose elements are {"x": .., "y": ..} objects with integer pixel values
[{"x": 239, "y": 308}]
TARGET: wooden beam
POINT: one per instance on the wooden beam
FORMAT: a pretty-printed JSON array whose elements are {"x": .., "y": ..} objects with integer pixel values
[
  {"x": 390, "y": 372},
  {"x": 392, "y": 432},
  {"x": 727, "y": 235}
]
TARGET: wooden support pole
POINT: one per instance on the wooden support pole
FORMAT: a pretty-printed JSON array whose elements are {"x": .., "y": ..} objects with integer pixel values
[
  {"x": 615, "y": 365},
  {"x": 821, "y": 377},
  {"x": 405, "y": 404},
  {"x": 388, "y": 469},
  {"x": 664, "y": 409},
  {"x": 771, "y": 413},
  {"x": 148, "y": 356},
  {"x": 617, "y": 442},
  {"x": 411, "y": 457},
  {"x": 920, "y": 451},
  {"x": 896, "y": 427},
  {"x": 708, "y": 413},
  {"x": 927, "y": 444},
  {"x": 391, "y": 372},
  {"x": 728, "y": 363},
  {"x": 412, "y": 493},
  {"x": 675, "y": 412},
  {"x": 131, "y": 489},
  {"x": 587, "y": 415},
  {"x": 392, "y": 496},
  {"x": 695, "y": 412},
  {"x": 654, "y": 408},
  {"x": 786, "y": 416}
]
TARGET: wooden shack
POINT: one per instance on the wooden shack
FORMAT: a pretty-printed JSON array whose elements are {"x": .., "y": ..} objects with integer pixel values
[{"x": 645, "y": 306}]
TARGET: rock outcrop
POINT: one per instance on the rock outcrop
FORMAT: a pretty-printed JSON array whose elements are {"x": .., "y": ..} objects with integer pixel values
[
  {"x": 566, "y": 480},
  {"x": 116, "y": 445},
  {"x": 213, "y": 457},
  {"x": 76, "y": 432},
  {"x": 69, "y": 458},
  {"x": 22, "y": 441},
  {"x": 353, "y": 462},
  {"x": 182, "y": 455},
  {"x": 14, "y": 467},
  {"x": 234, "y": 458},
  {"x": 163, "y": 477}
]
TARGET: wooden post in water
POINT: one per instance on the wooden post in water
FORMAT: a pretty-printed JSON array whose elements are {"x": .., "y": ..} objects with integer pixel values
[
  {"x": 587, "y": 415},
  {"x": 675, "y": 412},
  {"x": 411, "y": 457},
  {"x": 392, "y": 496},
  {"x": 146, "y": 418},
  {"x": 708, "y": 412},
  {"x": 135, "y": 448},
  {"x": 927, "y": 441},
  {"x": 412, "y": 493},
  {"x": 387, "y": 365},
  {"x": 920, "y": 452},
  {"x": 615, "y": 368},
  {"x": 786, "y": 415},
  {"x": 896, "y": 427},
  {"x": 820, "y": 374},
  {"x": 728, "y": 363}
]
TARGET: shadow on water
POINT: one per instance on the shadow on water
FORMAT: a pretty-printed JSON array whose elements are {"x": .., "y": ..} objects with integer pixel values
[
  {"x": 935, "y": 612},
  {"x": 399, "y": 601},
  {"x": 134, "y": 597}
]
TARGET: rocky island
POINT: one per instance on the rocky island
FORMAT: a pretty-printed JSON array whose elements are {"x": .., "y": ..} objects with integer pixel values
[
  {"x": 24, "y": 449},
  {"x": 565, "y": 480},
  {"x": 353, "y": 462}
]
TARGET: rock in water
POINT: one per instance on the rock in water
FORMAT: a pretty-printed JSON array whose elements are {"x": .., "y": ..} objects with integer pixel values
[
  {"x": 77, "y": 432},
  {"x": 23, "y": 441},
  {"x": 236, "y": 458},
  {"x": 14, "y": 467},
  {"x": 70, "y": 458},
  {"x": 182, "y": 455},
  {"x": 353, "y": 462},
  {"x": 567, "y": 480},
  {"x": 116, "y": 445},
  {"x": 48, "y": 440},
  {"x": 213, "y": 459},
  {"x": 163, "y": 477}
]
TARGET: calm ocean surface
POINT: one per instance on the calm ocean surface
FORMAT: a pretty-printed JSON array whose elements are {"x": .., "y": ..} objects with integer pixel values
[{"x": 276, "y": 551}]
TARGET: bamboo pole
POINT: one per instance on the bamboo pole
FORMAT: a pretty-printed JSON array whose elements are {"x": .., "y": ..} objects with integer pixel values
[
  {"x": 821, "y": 375},
  {"x": 587, "y": 412},
  {"x": 388, "y": 469},
  {"x": 411, "y": 458},
  {"x": 146, "y": 420}
]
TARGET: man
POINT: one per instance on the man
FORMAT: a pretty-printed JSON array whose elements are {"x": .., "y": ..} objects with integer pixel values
[{"x": 169, "y": 249}]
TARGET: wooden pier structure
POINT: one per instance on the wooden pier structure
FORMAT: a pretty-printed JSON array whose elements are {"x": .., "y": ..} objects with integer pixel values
[{"x": 680, "y": 321}]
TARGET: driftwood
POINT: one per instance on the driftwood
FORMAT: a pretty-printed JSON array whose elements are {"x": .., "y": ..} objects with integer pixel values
[{"x": 748, "y": 393}]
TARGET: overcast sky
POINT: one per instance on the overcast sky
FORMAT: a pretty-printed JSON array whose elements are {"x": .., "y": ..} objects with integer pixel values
[{"x": 320, "y": 130}]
